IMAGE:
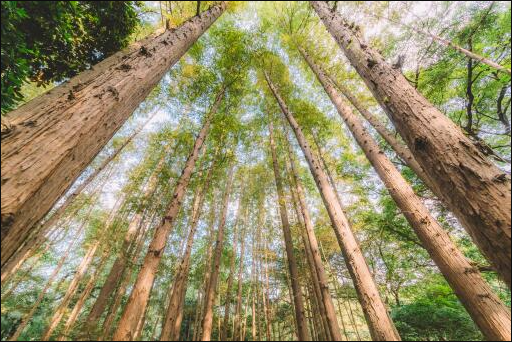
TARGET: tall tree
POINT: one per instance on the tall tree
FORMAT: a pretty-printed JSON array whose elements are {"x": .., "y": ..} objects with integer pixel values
[
  {"x": 466, "y": 281},
  {"x": 207, "y": 321},
  {"x": 72, "y": 122},
  {"x": 288, "y": 242},
  {"x": 377, "y": 316},
  {"x": 472, "y": 187},
  {"x": 139, "y": 297}
]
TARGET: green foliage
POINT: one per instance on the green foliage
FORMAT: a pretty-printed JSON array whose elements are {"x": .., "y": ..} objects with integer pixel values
[{"x": 50, "y": 41}]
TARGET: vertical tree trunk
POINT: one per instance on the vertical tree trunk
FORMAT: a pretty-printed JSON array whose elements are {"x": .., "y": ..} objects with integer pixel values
[
  {"x": 224, "y": 332},
  {"x": 330, "y": 311},
  {"x": 140, "y": 294},
  {"x": 57, "y": 134},
  {"x": 119, "y": 265},
  {"x": 377, "y": 316},
  {"x": 292, "y": 263},
  {"x": 486, "y": 309},
  {"x": 470, "y": 185},
  {"x": 171, "y": 324},
  {"x": 206, "y": 324}
]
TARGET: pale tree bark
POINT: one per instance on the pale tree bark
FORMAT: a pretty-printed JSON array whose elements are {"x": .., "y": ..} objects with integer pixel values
[
  {"x": 376, "y": 313},
  {"x": 485, "y": 308},
  {"x": 55, "y": 136},
  {"x": 470, "y": 185},
  {"x": 224, "y": 332},
  {"x": 172, "y": 321},
  {"x": 119, "y": 265},
  {"x": 238, "y": 311},
  {"x": 207, "y": 321},
  {"x": 292, "y": 263},
  {"x": 139, "y": 297},
  {"x": 312, "y": 244}
]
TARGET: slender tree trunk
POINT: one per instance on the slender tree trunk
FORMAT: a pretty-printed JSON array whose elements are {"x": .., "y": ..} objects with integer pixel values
[
  {"x": 206, "y": 324},
  {"x": 119, "y": 265},
  {"x": 26, "y": 319},
  {"x": 470, "y": 185},
  {"x": 292, "y": 263},
  {"x": 224, "y": 332},
  {"x": 486, "y": 309},
  {"x": 312, "y": 244},
  {"x": 377, "y": 316},
  {"x": 141, "y": 291},
  {"x": 238, "y": 312},
  {"x": 55, "y": 136},
  {"x": 171, "y": 324},
  {"x": 64, "y": 335}
]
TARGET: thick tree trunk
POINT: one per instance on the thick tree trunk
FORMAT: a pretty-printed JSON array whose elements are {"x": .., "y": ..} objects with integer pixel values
[
  {"x": 292, "y": 263},
  {"x": 376, "y": 313},
  {"x": 171, "y": 324},
  {"x": 56, "y": 135},
  {"x": 140, "y": 294},
  {"x": 470, "y": 185},
  {"x": 207, "y": 321},
  {"x": 312, "y": 244},
  {"x": 486, "y": 309},
  {"x": 119, "y": 265}
]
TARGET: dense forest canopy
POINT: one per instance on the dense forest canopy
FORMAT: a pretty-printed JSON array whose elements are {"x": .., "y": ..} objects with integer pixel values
[{"x": 207, "y": 170}]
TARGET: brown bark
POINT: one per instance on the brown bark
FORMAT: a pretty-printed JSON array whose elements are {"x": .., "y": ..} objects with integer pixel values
[
  {"x": 471, "y": 186},
  {"x": 206, "y": 324},
  {"x": 377, "y": 316},
  {"x": 57, "y": 134},
  {"x": 172, "y": 322},
  {"x": 312, "y": 244},
  {"x": 486, "y": 309},
  {"x": 292, "y": 263},
  {"x": 141, "y": 291},
  {"x": 119, "y": 265}
]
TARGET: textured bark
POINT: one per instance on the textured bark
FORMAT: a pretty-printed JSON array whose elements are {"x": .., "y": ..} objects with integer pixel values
[
  {"x": 207, "y": 321},
  {"x": 119, "y": 265},
  {"x": 312, "y": 245},
  {"x": 56, "y": 135},
  {"x": 377, "y": 316},
  {"x": 290, "y": 257},
  {"x": 172, "y": 322},
  {"x": 140, "y": 294},
  {"x": 471, "y": 186},
  {"x": 486, "y": 309}
]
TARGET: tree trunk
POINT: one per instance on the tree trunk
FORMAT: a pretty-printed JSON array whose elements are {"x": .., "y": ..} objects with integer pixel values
[
  {"x": 140, "y": 294},
  {"x": 312, "y": 244},
  {"x": 486, "y": 309},
  {"x": 206, "y": 324},
  {"x": 472, "y": 187},
  {"x": 377, "y": 316},
  {"x": 292, "y": 263},
  {"x": 119, "y": 265},
  {"x": 224, "y": 332},
  {"x": 171, "y": 324},
  {"x": 57, "y": 134}
]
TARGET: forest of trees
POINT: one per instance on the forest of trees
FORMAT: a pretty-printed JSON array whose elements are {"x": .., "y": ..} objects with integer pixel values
[{"x": 237, "y": 170}]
